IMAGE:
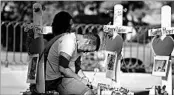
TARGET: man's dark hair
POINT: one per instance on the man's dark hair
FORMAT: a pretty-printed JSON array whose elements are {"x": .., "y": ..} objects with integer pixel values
[{"x": 61, "y": 22}]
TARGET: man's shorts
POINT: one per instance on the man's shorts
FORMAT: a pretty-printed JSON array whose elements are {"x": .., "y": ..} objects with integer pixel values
[
  {"x": 67, "y": 86},
  {"x": 72, "y": 86},
  {"x": 52, "y": 84}
]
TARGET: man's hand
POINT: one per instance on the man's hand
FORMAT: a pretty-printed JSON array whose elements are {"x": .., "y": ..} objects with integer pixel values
[
  {"x": 87, "y": 83},
  {"x": 85, "y": 80}
]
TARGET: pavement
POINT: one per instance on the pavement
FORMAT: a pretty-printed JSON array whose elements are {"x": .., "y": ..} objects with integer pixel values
[
  {"x": 13, "y": 77},
  {"x": 13, "y": 80}
]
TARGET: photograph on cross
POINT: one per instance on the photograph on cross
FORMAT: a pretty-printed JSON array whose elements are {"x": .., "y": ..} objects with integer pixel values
[
  {"x": 160, "y": 66},
  {"x": 32, "y": 68},
  {"x": 87, "y": 47},
  {"x": 111, "y": 65}
]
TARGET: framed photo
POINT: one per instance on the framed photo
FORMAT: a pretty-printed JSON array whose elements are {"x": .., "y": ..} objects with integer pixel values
[
  {"x": 160, "y": 66},
  {"x": 111, "y": 64},
  {"x": 32, "y": 68}
]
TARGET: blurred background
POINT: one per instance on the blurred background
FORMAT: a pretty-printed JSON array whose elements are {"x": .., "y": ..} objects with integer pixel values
[
  {"x": 89, "y": 16},
  {"x": 87, "y": 12}
]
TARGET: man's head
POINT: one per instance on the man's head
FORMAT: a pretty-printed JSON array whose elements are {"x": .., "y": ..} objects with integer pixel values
[
  {"x": 88, "y": 42},
  {"x": 61, "y": 22}
]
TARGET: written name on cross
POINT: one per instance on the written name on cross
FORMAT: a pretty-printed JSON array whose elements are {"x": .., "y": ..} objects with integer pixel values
[
  {"x": 161, "y": 31},
  {"x": 117, "y": 29}
]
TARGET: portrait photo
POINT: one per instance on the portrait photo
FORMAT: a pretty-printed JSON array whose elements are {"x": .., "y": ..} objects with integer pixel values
[
  {"x": 32, "y": 69},
  {"x": 110, "y": 61},
  {"x": 111, "y": 64},
  {"x": 160, "y": 65}
]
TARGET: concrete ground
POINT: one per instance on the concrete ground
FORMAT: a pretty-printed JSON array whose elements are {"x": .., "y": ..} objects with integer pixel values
[{"x": 13, "y": 78}]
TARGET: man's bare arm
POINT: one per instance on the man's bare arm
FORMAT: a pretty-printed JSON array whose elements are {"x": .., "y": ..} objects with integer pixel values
[
  {"x": 69, "y": 73},
  {"x": 64, "y": 66},
  {"x": 78, "y": 69},
  {"x": 81, "y": 74}
]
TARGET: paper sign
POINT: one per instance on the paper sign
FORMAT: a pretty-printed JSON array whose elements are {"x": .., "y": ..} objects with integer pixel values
[
  {"x": 117, "y": 29},
  {"x": 105, "y": 89},
  {"x": 47, "y": 30},
  {"x": 161, "y": 31}
]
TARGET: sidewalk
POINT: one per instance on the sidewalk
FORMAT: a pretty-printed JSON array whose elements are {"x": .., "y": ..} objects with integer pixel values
[{"x": 13, "y": 80}]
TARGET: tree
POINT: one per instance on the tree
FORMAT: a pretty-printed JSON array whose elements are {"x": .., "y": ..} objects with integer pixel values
[{"x": 16, "y": 10}]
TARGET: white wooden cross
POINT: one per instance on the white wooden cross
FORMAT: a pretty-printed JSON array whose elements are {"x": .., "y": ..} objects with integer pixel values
[
  {"x": 165, "y": 29},
  {"x": 165, "y": 23},
  {"x": 37, "y": 48},
  {"x": 116, "y": 28}
]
